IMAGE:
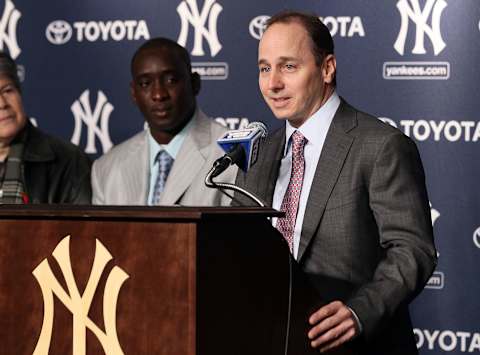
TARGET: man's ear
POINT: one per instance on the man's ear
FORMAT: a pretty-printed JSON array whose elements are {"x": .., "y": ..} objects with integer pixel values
[
  {"x": 132, "y": 92},
  {"x": 329, "y": 68},
  {"x": 196, "y": 83}
]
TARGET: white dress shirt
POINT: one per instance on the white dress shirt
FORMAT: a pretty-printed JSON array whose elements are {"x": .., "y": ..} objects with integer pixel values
[{"x": 314, "y": 129}]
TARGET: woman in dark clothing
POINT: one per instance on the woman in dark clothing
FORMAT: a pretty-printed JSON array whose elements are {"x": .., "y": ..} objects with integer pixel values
[{"x": 35, "y": 167}]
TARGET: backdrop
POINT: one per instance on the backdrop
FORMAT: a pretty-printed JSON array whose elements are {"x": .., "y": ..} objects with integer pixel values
[{"x": 413, "y": 63}]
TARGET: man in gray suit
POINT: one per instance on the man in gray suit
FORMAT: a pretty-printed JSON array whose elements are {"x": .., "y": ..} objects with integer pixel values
[
  {"x": 180, "y": 142},
  {"x": 353, "y": 190}
]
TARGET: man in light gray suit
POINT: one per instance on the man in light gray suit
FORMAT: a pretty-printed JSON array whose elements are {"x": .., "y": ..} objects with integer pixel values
[
  {"x": 353, "y": 190},
  {"x": 166, "y": 164}
]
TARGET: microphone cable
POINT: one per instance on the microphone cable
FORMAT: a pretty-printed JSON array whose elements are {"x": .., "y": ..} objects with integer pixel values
[{"x": 223, "y": 185}]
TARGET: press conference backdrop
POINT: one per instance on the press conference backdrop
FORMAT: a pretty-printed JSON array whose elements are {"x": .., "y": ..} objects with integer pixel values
[{"x": 412, "y": 63}]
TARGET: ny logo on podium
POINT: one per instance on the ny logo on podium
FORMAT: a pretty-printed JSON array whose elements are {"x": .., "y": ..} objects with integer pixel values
[
  {"x": 79, "y": 305},
  {"x": 189, "y": 13},
  {"x": 420, "y": 17}
]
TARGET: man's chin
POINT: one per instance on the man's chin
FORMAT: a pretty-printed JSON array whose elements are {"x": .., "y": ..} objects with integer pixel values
[
  {"x": 280, "y": 116},
  {"x": 170, "y": 126},
  {"x": 160, "y": 123}
]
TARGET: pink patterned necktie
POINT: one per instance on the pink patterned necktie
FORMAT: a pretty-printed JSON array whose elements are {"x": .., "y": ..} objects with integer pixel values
[{"x": 286, "y": 225}]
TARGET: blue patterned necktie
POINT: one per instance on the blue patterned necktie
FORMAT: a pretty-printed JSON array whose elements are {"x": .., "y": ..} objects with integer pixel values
[{"x": 165, "y": 162}]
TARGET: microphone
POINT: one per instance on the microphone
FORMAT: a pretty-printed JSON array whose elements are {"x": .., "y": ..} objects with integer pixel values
[{"x": 241, "y": 147}]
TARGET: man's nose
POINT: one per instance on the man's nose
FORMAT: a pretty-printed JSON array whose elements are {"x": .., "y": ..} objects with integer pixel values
[
  {"x": 3, "y": 102},
  {"x": 275, "y": 81},
  {"x": 159, "y": 92}
]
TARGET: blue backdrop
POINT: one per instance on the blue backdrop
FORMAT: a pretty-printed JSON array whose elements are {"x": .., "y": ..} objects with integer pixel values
[{"x": 413, "y": 63}]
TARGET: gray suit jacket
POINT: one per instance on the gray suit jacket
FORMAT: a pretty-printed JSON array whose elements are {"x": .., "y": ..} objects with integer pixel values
[
  {"x": 122, "y": 176},
  {"x": 367, "y": 235}
]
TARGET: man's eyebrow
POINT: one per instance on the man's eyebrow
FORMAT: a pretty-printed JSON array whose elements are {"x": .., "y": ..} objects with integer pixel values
[
  {"x": 280, "y": 60},
  {"x": 262, "y": 61},
  {"x": 168, "y": 71},
  {"x": 287, "y": 59}
]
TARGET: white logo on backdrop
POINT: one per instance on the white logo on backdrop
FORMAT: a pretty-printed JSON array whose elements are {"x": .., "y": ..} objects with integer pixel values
[
  {"x": 343, "y": 26},
  {"x": 233, "y": 122},
  {"x": 410, "y": 10},
  {"x": 476, "y": 237},
  {"x": 257, "y": 26},
  {"x": 58, "y": 32},
  {"x": 450, "y": 131},
  {"x": 190, "y": 14},
  {"x": 449, "y": 340},
  {"x": 82, "y": 112},
  {"x": 437, "y": 280},
  {"x": 21, "y": 72},
  {"x": 8, "y": 29},
  {"x": 434, "y": 214}
]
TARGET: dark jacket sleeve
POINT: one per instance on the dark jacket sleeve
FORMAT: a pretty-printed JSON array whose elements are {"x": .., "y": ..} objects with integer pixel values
[
  {"x": 80, "y": 190},
  {"x": 399, "y": 202}
]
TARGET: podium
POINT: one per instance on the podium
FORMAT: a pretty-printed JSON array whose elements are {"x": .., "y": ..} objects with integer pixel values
[{"x": 149, "y": 280}]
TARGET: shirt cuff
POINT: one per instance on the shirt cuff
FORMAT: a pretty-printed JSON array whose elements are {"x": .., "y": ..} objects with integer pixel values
[{"x": 357, "y": 321}]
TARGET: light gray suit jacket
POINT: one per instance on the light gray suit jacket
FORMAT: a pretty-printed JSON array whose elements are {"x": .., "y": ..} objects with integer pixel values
[
  {"x": 122, "y": 176},
  {"x": 367, "y": 234}
]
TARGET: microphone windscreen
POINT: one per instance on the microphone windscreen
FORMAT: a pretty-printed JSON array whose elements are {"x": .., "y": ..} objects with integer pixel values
[{"x": 248, "y": 139}]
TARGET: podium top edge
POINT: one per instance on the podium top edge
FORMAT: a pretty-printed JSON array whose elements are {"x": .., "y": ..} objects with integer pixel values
[{"x": 86, "y": 212}]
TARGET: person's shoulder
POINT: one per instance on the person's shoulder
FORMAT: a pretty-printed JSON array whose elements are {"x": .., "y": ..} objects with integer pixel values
[
  {"x": 372, "y": 132},
  {"x": 368, "y": 124},
  {"x": 208, "y": 127},
  {"x": 60, "y": 148},
  {"x": 122, "y": 151},
  {"x": 217, "y": 129},
  {"x": 204, "y": 119}
]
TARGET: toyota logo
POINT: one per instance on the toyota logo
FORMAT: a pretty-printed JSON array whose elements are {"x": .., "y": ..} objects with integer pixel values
[
  {"x": 257, "y": 26},
  {"x": 476, "y": 237},
  {"x": 58, "y": 32}
]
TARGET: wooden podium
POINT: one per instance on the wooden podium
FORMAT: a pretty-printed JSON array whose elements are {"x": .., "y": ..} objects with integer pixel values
[{"x": 173, "y": 281}]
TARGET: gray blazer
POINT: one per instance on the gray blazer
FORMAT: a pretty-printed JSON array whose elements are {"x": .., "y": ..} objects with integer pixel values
[
  {"x": 122, "y": 176},
  {"x": 367, "y": 235}
]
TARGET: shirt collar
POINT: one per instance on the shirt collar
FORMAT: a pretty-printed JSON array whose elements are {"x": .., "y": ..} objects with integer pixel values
[
  {"x": 318, "y": 122},
  {"x": 173, "y": 147}
]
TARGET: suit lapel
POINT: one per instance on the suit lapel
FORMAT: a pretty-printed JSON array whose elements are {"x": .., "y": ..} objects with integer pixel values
[
  {"x": 137, "y": 173},
  {"x": 189, "y": 161},
  {"x": 270, "y": 165},
  {"x": 335, "y": 150}
]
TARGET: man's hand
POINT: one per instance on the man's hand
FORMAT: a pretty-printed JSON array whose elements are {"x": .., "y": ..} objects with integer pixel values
[{"x": 333, "y": 325}]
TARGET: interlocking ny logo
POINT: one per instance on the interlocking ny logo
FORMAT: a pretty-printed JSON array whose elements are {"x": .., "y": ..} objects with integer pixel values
[
  {"x": 82, "y": 112},
  {"x": 78, "y": 304},
  {"x": 410, "y": 9},
  {"x": 188, "y": 11},
  {"x": 8, "y": 29}
]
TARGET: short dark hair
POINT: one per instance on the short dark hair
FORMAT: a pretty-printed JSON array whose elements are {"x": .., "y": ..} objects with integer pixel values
[
  {"x": 162, "y": 42},
  {"x": 8, "y": 68},
  {"x": 321, "y": 39}
]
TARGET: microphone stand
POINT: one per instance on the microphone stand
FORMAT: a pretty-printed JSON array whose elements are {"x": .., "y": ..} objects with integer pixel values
[{"x": 222, "y": 185}]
